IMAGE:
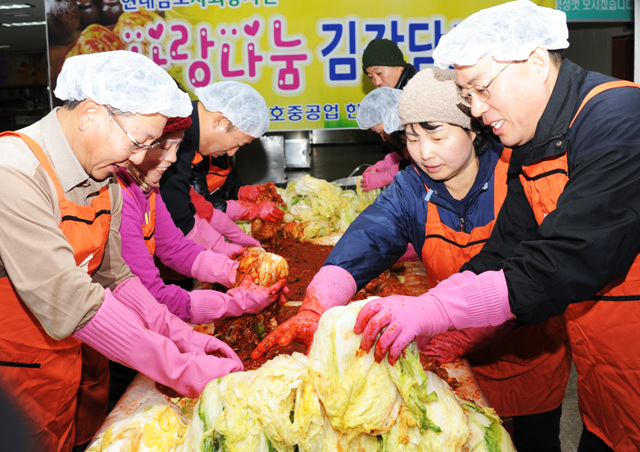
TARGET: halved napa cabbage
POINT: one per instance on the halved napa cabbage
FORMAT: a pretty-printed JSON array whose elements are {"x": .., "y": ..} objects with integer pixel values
[
  {"x": 358, "y": 394},
  {"x": 158, "y": 427},
  {"x": 250, "y": 411},
  {"x": 438, "y": 415}
]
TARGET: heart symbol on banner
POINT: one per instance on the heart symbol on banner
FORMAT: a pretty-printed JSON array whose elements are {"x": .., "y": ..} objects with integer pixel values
[
  {"x": 252, "y": 29},
  {"x": 156, "y": 33}
]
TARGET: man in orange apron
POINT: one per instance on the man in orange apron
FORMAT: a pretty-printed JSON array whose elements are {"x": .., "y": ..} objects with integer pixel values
[
  {"x": 445, "y": 204},
  {"x": 566, "y": 240},
  {"x": 69, "y": 298},
  {"x": 226, "y": 116}
]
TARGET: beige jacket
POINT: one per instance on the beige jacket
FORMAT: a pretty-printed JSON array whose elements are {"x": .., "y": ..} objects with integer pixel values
[{"x": 34, "y": 253}]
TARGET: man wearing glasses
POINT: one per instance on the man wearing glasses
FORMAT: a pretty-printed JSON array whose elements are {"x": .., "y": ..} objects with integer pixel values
[
  {"x": 567, "y": 239},
  {"x": 66, "y": 291}
]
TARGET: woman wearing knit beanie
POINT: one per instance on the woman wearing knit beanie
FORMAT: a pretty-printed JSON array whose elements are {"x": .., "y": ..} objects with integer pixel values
[
  {"x": 149, "y": 233},
  {"x": 384, "y": 64},
  {"x": 445, "y": 204}
]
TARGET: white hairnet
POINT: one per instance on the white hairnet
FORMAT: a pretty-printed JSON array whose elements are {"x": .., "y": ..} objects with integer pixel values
[
  {"x": 239, "y": 103},
  {"x": 391, "y": 121},
  {"x": 508, "y": 32},
  {"x": 376, "y": 105},
  {"x": 124, "y": 80}
]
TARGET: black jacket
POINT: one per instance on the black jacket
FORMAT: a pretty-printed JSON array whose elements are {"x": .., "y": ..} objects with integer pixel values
[
  {"x": 174, "y": 185},
  {"x": 407, "y": 73},
  {"x": 593, "y": 235}
]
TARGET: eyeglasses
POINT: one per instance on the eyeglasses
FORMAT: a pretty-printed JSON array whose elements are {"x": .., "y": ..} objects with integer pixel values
[
  {"x": 137, "y": 147},
  {"x": 482, "y": 92}
]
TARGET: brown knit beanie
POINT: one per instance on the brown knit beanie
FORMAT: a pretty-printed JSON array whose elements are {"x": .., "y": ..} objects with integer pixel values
[
  {"x": 432, "y": 96},
  {"x": 382, "y": 52}
]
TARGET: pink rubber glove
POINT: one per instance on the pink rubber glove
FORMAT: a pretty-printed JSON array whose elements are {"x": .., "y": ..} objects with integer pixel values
[
  {"x": 204, "y": 235},
  {"x": 331, "y": 286},
  {"x": 467, "y": 301},
  {"x": 392, "y": 159},
  {"x": 132, "y": 328},
  {"x": 380, "y": 179},
  {"x": 381, "y": 173},
  {"x": 452, "y": 345},
  {"x": 409, "y": 255},
  {"x": 221, "y": 222},
  {"x": 244, "y": 211},
  {"x": 215, "y": 268},
  {"x": 247, "y": 298}
]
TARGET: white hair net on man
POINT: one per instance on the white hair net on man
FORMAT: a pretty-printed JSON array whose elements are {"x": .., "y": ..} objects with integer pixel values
[
  {"x": 125, "y": 80},
  {"x": 376, "y": 105},
  {"x": 239, "y": 103},
  {"x": 507, "y": 32}
]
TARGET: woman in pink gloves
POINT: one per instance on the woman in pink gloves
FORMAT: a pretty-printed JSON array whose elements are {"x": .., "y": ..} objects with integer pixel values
[
  {"x": 378, "y": 112},
  {"x": 147, "y": 232},
  {"x": 446, "y": 204}
]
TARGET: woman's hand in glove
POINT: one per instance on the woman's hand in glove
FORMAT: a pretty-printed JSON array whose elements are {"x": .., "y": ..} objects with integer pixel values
[
  {"x": 301, "y": 326},
  {"x": 331, "y": 286},
  {"x": 250, "y": 298}
]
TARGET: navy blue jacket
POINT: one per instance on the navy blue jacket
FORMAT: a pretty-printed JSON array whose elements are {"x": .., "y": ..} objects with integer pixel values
[{"x": 380, "y": 234}]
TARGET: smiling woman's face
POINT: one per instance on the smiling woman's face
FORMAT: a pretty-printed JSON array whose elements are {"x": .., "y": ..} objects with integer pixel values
[{"x": 158, "y": 160}]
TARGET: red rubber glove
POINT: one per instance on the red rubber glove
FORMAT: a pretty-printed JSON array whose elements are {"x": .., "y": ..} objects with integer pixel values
[
  {"x": 250, "y": 192},
  {"x": 244, "y": 211},
  {"x": 204, "y": 209},
  {"x": 247, "y": 298},
  {"x": 452, "y": 345},
  {"x": 465, "y": 300},
  {"x": 331, "y": 286}
]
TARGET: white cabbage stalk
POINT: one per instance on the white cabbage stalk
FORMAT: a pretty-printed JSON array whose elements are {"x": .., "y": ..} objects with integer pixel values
[
  {"x": 486, "y": 433},
  {"x": 228, "y": 423},
  {"x": 437, "y": 414},
  {"x": 272, "y": 397},
  {"x": 358, "y": 394}
]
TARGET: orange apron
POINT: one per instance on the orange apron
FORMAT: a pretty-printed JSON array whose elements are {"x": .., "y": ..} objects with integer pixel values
[
  {"x": 526, "y": 371},
  {"x": 149, "y": 226},
  {"x": 604, "y": 332},
  {"x": 216, "y": 176},
  {"x": 49, "y": 378}
]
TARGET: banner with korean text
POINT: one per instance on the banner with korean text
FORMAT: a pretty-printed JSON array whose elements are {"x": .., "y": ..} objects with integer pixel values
[{"x": 304, "y": 57}]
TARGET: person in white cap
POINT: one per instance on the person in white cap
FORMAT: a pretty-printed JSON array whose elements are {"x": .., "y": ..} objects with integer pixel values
[
  {"x": 66, "y": 289},
  {"x": 198, "y": 191},
  {"x": 566, "y": 241},
  {"x": 378, "y": 112}
]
